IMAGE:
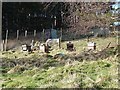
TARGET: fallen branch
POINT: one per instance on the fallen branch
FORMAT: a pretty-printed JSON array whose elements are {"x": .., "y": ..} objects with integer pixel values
[{"x": 108, "y": 45}]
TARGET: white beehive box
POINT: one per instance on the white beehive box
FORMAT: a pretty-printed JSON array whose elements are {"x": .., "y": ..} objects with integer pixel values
[
  {"x": 91, "y": 45},
  {"x": 24, "y": 47},
  {"x": 42, "y": 47}
]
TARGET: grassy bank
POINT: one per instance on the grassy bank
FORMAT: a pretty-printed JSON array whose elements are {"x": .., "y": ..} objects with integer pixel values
[{"x": 68, "y": 70}]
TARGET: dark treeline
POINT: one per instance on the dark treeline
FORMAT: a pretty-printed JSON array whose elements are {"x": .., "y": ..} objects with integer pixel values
[
  {"x": 30, "y": 16},
  {"x": 79, "y": 17}
]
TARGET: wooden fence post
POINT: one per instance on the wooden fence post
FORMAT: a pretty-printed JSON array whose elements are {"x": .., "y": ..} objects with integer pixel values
[
  {"x": 59, "y": 44},
  {"x": 25, "y": 33},
  {"x": 34, "y": 33},
  {"x": 60, "y": 38},
  {"x": 2, "y": 45},
  {"x": 61, "y": 34},
  {"x": 6, "y": 40},
  {"x": 17, "y": 34},
  {"x": 43, "y": 35}
]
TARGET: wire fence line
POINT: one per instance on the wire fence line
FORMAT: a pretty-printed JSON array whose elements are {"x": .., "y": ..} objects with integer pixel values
[{"x": 12, "y": 40}]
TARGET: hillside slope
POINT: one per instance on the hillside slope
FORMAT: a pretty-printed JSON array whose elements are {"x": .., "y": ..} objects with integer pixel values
[{"x": 63, "y": 69}]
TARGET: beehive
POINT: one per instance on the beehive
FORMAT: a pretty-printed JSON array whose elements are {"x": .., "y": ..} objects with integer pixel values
[
  {"x": 24, "y": 47},
  {"x": 44, "y": 48},
  {"x": 70, "y": 46},
  {"x": 92, "y": 45}
]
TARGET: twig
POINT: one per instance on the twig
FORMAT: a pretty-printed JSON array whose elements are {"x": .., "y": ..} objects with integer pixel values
[{"x": 108, "y": 45}]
